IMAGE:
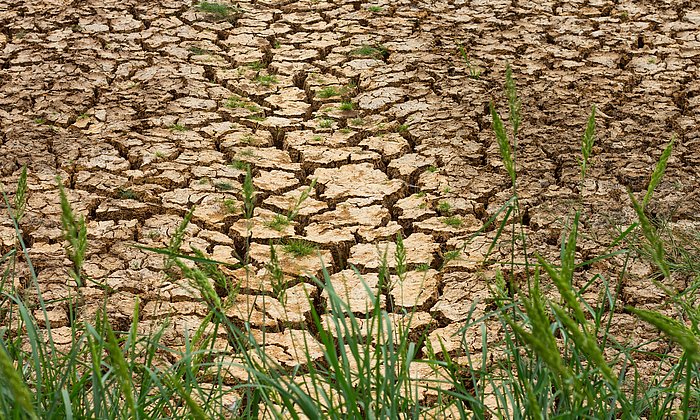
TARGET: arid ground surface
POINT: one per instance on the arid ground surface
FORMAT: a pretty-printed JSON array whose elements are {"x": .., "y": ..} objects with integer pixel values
[{"x": 147, "y": 108}]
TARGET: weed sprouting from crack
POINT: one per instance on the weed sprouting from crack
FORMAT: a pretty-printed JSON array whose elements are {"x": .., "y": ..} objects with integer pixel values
[
  {"x": 474, "y": 72},
  {"x": 266, "y": 80},
  {"x": 299, "y": 248},
  {"x": 221, "y": 11},
  {"x": 278, "y": 223},
  {"x": 328, "y": 92},
  {"x": 453, "y": 221}
]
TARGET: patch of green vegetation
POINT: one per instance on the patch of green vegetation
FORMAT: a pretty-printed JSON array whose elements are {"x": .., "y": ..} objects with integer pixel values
[
  {"x": 316, "y": 139},
  {"x": 357, "y": 122},
  {"x": 230, "y": 205},
  {"x": 328, "y": 92},
  {"x": 257, "y": 65},
  {"x": 197, "y": 51},
  {"x": 248, "y": 139},
  {"x": 325, "y": 123},
  {"x": 345, "y": 130},
  {"x": 403, "y": 128},
  {"x": 217, "y": 9},
  {"x": 278, "y": 223},
  {"x": 239, "y": 164},
  {"x": 376, "y": 51},
  {"x": 453, "y": 221},
  {"x": 474, "y": 72},
  {"x": 153, "y": 234},
  {"x": 178, "y": 127},
  {"x": 127, "y": 194},
  {"x": 40, "y": 121},
  {"x": 346, "y": 106},
  {"x": 83, "y": 116},
  {"x": 432, "y": 169},
  {"x": 252, "y": 108},
  {"x": 248, "y": 152},
  {"x": 375, "y": 9},
  {"x": 420, "y": 194},
  {"x": 423, "y": 267},
  {"x": 203, "y": 181},
  {"x": 235, "y": 102},
  {"x": 266, "y": 79},
  {"x": 256, "y": 118},
  {"x": 299, "y": 248},
  {"x": 223, "y": 186},
  {"x": 444, "y": 207},
  {"x": 450, "y": 256}
]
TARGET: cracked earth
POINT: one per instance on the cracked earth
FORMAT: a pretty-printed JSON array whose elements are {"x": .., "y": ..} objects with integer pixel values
[{"x": 145, "y": 109}]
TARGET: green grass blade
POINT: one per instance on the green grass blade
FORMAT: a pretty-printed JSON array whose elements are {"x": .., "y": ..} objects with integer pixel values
[
  {"x": 503, "y": 143},
  {"x": 673, "y": 329},
  {"x": 67, "y": 404},
  {"x": 14, "y": 384},
  {"x": 658, "y": 172},
  {"x": 513, "y": 101},
  {"x": 587, "y": 143},
  {"x": 20, "y": 201},
  {"x": 121, "y": 369},
  {"x": 652, "y": 236}
]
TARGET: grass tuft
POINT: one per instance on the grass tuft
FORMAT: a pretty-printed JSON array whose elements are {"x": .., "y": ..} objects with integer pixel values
[{"x": 299, "y": 248}]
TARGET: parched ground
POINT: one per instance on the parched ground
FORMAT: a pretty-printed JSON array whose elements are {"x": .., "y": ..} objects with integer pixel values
[{"x": 145, "y": 109}]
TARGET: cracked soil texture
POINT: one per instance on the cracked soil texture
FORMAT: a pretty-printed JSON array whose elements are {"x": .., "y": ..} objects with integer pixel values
[{"x": 145, "y": 109}]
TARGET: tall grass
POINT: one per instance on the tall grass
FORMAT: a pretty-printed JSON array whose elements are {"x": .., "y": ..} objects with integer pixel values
[{"x": 557, "y": 357}]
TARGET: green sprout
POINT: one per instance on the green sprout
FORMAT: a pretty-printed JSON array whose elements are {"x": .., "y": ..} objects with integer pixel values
[
  {"x": 218, "y": 9},
  {"x": 223, "y": 186},
  {"x": 453, "y": 221},
  {"x": 230, "y": 205},
  {"x": 474, "y": 72},
  {"x": 266, "y": 80},
  {"x": 299, "y": 248},
  {"x": 444, "y": 207},
  {"x": 346, "y": 106},
  {"x": 257, "y": 65},
  {"x": 278, "y": 223},
  {"x": 328, "y": 92}
]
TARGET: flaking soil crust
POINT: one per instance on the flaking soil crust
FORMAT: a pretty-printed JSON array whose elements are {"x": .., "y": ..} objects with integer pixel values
[{"x": 145, "y": 109}]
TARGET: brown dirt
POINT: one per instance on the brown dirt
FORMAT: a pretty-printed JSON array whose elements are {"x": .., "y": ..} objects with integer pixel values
[{"x": 128, "y": 102}]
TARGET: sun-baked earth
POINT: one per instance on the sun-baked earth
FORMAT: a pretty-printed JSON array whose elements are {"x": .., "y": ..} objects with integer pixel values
[{"x": 145, "y": 109}]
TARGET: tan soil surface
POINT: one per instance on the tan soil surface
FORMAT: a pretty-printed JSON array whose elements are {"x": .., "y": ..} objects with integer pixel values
[{"x": 144, "y": 109}]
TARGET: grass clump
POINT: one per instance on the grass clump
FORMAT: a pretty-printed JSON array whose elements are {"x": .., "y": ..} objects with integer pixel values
[
  {"x": 328, "y": 92},
  {"x": 299, "y": 248},
  {"x": 377, "y": 51},
  {"x": 223, "y": 186},
  {"x": 266, "y": 80},
  {"x": 444, "y": 207},
  {"x": 219, "y": 10},
  {"x": 453, "y": 221},
  {"x": 127, "y": 194},
  {"x": 278, "y": 223},
  {"x": 474, "y": 72},
  {"x": 346, "y": 106}
]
